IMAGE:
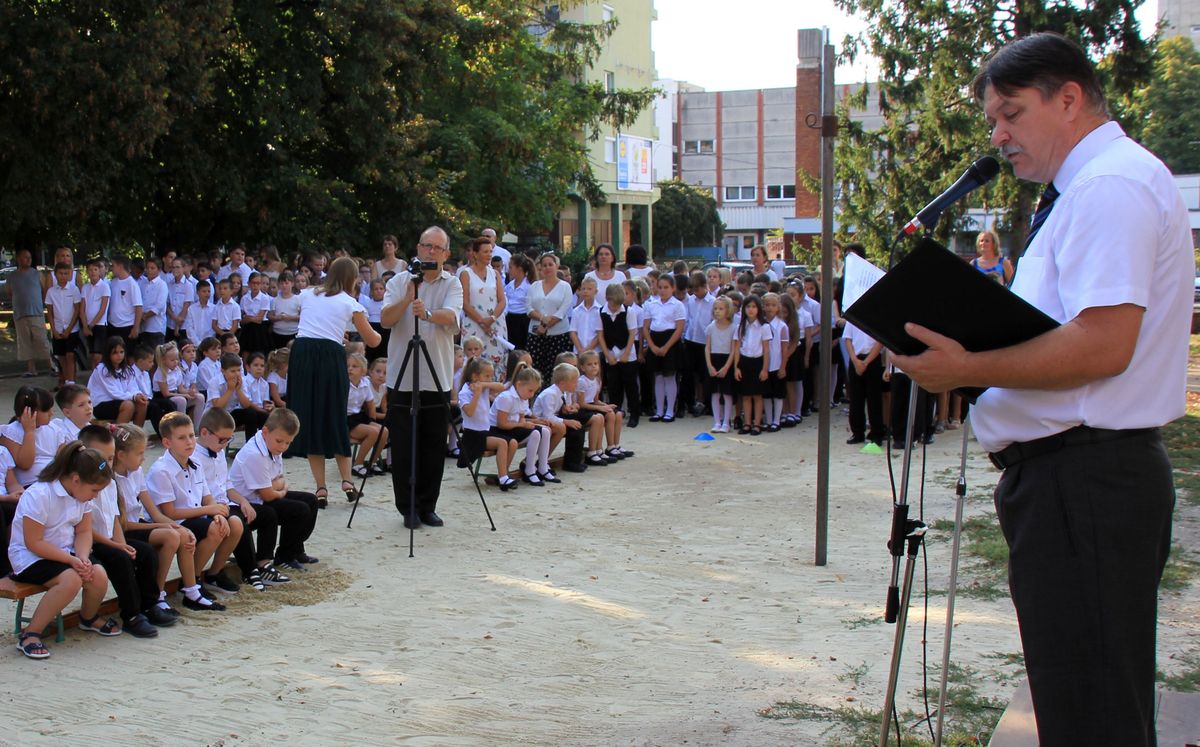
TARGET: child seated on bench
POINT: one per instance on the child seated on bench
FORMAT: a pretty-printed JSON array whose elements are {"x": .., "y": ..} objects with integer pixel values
[
  {"x": 52, "y": 541},
  {"x": 474, "y": 398}
]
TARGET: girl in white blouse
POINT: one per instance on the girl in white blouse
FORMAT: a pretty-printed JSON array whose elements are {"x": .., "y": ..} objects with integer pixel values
[
  {"x": 369, "y": 434},
  {"x": 750, "y": 347}
]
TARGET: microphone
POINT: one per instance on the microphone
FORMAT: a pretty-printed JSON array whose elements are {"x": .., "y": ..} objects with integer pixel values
[{"x": 978, "y": 174}]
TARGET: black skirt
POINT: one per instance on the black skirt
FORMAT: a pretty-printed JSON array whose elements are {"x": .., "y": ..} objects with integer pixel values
[
  {"x": 749, "y": 385},
  {"x": 663, "y": 365},
  {"x": 518, "y": 434},
  {"x": 318, "y": 386},
  {"x": 795, "y": 364},
  {"x": 255, "y": 337},
  {"x": 544, "y": 349},
  {"x": 471, "y": 445},
  {"x": 721, "y": 384}
]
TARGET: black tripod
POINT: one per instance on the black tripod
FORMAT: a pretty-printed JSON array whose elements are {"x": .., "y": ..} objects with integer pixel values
[{"x": 415, "y": 406}]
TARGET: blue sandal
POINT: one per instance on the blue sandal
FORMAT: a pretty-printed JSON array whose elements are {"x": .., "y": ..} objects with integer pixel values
[
  {"x": 109, "y": 628},
  {"x": 32, "y": 650}
]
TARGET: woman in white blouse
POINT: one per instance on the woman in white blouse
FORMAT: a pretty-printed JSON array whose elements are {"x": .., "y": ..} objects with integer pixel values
[
  {"x": 606, "y": 272},
  {"x": 549, "y": 312},
  {"x": 318, "y": 383},
  {"x": 484, "y": 302}
]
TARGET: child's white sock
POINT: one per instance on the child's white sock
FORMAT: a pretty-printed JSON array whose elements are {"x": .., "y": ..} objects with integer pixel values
[
  {"x": 672, "y": 390},
  {"x": 544, "y": 451},
  {"x": 162, "y": 600},
  {"x": 660, "y": 394},
  {"x": 531, "y": 451},
  {"x": 728, "y": 410},
  {"x": 453, "y": 442},
  {"x": 191, "y": 592}
]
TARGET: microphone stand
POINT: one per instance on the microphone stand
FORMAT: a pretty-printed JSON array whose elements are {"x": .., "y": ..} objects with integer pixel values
[{"x": 960, "y": 493}]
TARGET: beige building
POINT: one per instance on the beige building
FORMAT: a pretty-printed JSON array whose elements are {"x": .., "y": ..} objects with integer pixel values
[
  {"x": 1181, "y": 18},
  {"x": 623, "y": 162}
]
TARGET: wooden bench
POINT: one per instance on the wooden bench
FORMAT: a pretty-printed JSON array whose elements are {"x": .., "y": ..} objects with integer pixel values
[{"x": 19, "y": 592}]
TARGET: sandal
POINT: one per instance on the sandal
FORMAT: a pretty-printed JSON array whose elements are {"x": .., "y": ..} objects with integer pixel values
[
  {"x": 351, "y": 493},
  {"x": 32, "y": 650},
  {"x": 360, "y": 471},
  {"x": 322, "y": 497},
  {"x": 109, "y": 628}
]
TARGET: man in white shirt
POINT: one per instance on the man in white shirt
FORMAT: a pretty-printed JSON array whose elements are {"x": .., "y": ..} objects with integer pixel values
[
  {"x": 497, "y": 250},
  {"x": 432, "y": 306},
  {"x": 1073, "y": 416},
  {"x": 236, "y": 263}
]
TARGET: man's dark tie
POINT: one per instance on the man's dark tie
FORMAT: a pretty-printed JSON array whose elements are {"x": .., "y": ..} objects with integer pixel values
[{"x": 1044, "y": 206}]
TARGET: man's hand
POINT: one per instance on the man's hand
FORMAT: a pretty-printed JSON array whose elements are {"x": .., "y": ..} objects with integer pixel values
[{"x": 939, "y": 368}]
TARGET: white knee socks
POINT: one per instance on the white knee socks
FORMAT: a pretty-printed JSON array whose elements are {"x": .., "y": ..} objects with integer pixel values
[
  {"x": 672, "y": 391},
  {"x": 532, "y": 451},
  {"x": 544, "y": 450}
]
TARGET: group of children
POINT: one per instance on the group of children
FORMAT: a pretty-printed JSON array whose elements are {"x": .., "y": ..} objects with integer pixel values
[{"x": 79, "y": 511}]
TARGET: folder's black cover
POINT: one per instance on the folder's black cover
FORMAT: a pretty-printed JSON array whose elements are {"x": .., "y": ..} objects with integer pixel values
[{"x": 935, "y": 288}]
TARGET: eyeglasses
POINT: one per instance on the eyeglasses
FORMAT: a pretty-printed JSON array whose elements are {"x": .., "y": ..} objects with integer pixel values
[
  {"x": 225, "y": 440},
  {"x": 434, "y": 247}
]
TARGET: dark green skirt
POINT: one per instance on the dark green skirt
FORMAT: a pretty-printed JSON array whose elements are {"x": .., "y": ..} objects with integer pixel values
[{"x": 318, "y": 387}]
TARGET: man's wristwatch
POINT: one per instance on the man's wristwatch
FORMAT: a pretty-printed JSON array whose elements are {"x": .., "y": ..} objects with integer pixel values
[{"x": 428, "y": 315}]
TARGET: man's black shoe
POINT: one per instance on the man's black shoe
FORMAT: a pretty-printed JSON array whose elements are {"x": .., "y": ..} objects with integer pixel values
[
  {"x": 856, "y": 440},
  {"x": 575, "y": 467},
  {"x": 432, "y": 520},
  {"x": 412, "y": 522}
]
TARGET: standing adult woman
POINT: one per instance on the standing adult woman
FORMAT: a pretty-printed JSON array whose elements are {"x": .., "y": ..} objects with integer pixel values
[
  {"x": 989, "y": 261},
  {"x": 758, "y": 258},
  {"x": 270, "y": 264},
  {"x": 606, "y": 272},
  {"x": 549, "y": 307},
  {"x": 516, "y": 299},
  {"x": 318, "y": 384},
  {"x": 389, "y": 262},
  {"x": 484, "y": 301}
]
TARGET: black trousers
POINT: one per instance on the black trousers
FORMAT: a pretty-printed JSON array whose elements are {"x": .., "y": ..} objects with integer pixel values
[
  {"x": 156, "y": 408},
  {"x": 810, "y": 378},
  {"x": 518, "y": 329},
  {"x": 266, "y": 524},
  {"x": 573, "y": 440},
  {"x": 922, "y": 418},
  {"x": 866, "y": 400},
  {"x": 623, "y": 387},
  {"x": 432, "y": 426},
  {"x": 296, "y": 514},
  {"x": 135, "y": 579},
  {"x": 1089, "y": 530},
  {"x": 251, "y": 421}
]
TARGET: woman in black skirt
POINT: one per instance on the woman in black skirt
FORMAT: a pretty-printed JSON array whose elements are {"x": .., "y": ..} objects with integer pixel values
[
  {"x": 549, "y": 310},
  {"x": 318, "y": 384}
]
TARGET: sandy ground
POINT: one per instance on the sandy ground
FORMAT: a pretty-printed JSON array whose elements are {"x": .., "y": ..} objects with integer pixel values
[{"x": 662, "y": 601}]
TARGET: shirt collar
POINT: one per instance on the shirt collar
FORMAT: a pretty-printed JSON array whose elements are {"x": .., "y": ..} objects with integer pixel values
[
  {"x": 60, "y": 491},
  {"x": 1085, "y": 150}
]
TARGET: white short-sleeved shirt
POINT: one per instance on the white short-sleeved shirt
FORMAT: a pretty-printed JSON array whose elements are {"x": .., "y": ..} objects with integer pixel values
[
  {"x": 64, "y": 431},
  {"x": 46, "y": 443},
  {"x": 105, "y": 510},
  {"x": 814, "y": 313},
  {"x": 93, "y": 296},
  {"x": 358, "y": 395},
  {"x": 225, "y": 313},
  {"x": 254, "y": 467},
  {"x": 257, "y": 390},
  {"x": 199, "y": 322},
  {"x": 664, "y": 315},
  {"x": 63, "y": 300},
  {"x": 585, "y": 323},
  {"x": 719, "y": 341},
  {"x": 508, "y": 401},
  {"x": 252, "y": 304},
  {"x": 589, "y": 390},
  {"x": 6, "y": 465},
  {"x": 861, "y": 341},
  {"x": 155, "y": 296},
  {"x": 289, "y": 306},
  {"x": 180, "y": 292},
  {"x": 602, "y": 285},
  {"x": 183, "y": 485},
  {"x": 326, "y": 317},
  {"x": 779, "y": 338},
  {"x": 131, "y": 487},
  {"x": 228, "y": 269},
  {"x": 699, "y": 314},
  {"x": 48, "y": 504},
  {"x": 190, "y": 372},
  {"x": 804, "y": 319},
  {"x": 443, "y": 293},
  {"x": 216, "y": 472},
  {"x": 173, "y": 378},
  {"x": 374, "y": 309},
  {"x": 1118, "y": 234},
  {"x": 280, "y": 383},
  {"x": 124, "y": 296},
  {"x": 516, "y": 297},
  {"x": 235, "y": 402},
  {"x": 481, "y": 420},
  {"x": 752, "y": 339},
  {"x": 209, "y": 376}
]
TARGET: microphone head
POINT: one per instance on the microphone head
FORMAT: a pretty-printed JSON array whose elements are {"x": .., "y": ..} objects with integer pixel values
[{"x": 986, "y": 169}]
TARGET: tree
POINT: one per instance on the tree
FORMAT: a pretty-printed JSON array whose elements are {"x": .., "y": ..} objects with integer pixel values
[
  {"x": 686, "y": 216},
  {"x": 195, "y": 123},
  {"x": 1168, "y": 104},
  {"x": 933, "y": 129}
]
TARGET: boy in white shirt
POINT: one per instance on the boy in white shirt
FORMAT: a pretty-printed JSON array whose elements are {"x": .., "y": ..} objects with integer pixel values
[
  {"x": 257, "y": 474},
  {"x": 556, "y": 405},
  {"x": 199, "y": 323},
  {"x": 227, "y": 314},
  {"x": 585, "y": 319},
  {"x": 176, "y": 485},
  {"x": 62, "y": 309},
  {"x": 124, "y": 303},
  {"x": 258, "y": 570},
  {"x": 181, "y": 295},
  {"x": 155, "y": 297},
  {"x": 93, "y": 316}
]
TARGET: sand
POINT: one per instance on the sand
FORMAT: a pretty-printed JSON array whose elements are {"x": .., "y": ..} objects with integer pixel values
[{"x": 666, "y": 600}]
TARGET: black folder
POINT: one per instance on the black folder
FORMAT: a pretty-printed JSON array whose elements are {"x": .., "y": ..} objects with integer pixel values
[{"x": 935, "y": 288}]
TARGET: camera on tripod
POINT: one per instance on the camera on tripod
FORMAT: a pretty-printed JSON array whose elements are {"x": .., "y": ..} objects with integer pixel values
[{"x": 417, "y": 269}]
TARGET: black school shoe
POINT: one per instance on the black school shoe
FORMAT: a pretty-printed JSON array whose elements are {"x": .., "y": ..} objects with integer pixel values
[
  {"x": 160, "y": 617},
  {"x": 139, "y": 627},
  {"x": 203, "y": 604},
  {"x": 572, "y": 468}
]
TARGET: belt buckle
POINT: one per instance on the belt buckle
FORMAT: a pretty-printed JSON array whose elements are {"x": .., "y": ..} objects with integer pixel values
[{"x": 994, "y": 457}]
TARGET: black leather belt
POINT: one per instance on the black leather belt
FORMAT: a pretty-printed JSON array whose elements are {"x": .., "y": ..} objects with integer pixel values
[{"x": 1080, "y": 434}]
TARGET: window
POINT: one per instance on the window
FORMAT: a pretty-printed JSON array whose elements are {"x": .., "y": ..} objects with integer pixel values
[
  {"x": 698, "y": 146},
  {"x": 736, "y": 194},
  {"x": 781, "y": 191},
  {"x": 610, "y": 150},
  {"x": 607, "y": 13},
  {"x": 610, "y": 82},
  {"x": 553, "y": 14}
]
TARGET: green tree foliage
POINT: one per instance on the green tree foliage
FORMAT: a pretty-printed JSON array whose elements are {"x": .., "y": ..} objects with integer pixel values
[
  {"x": 685, "y": 216},
  {"x": 933, "y": 129},
  {"x": 194, "y": 123},
  {"x": 1168, "y": 106}
]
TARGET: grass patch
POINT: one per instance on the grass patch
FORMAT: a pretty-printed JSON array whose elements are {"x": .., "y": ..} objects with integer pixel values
[
  {"x": 1182, "y": 439},
  {"x": 862, "y": 621},
  {"x": 970, "y": 718},
  {"x": 1180, "y": 572},
  {"x": 985, "y": 570},
  {"x": 1187, "y": 679}
]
